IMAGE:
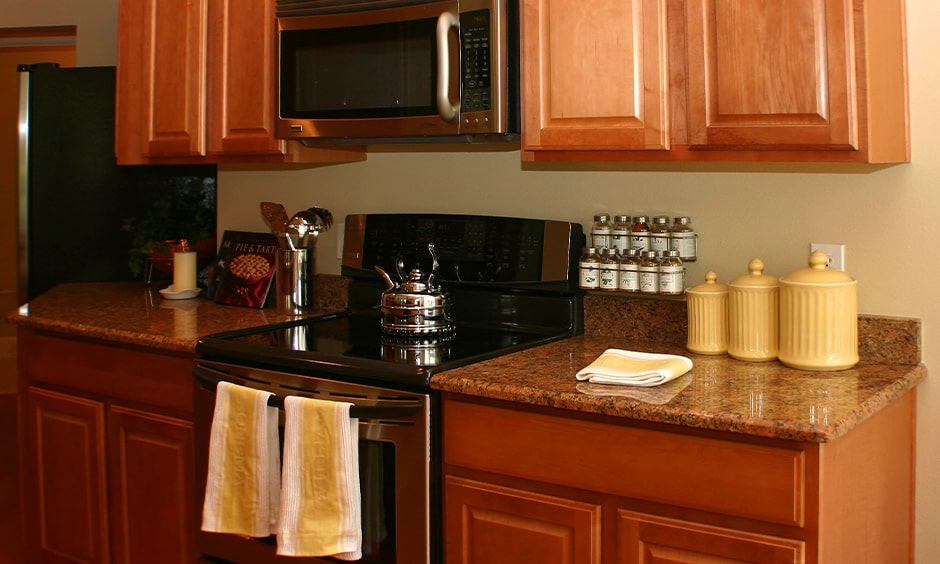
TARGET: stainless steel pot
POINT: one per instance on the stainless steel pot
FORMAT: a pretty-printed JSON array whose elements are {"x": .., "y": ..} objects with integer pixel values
[{"x": 416, "y": 306}]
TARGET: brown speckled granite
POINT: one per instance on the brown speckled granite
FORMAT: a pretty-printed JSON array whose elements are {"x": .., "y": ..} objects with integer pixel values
[
  {"x": 331, "y": 292},
  {"x": 665, "y": 321},
  {"x": 133, "y": 313},
  {"x": 636, "y": 317},
  {"x": 762, "y": 399},
  {"x": 719, "y": 393}
]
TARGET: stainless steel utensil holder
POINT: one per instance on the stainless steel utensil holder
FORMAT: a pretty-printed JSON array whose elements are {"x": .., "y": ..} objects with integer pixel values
[{"x": 294, "y": 281}]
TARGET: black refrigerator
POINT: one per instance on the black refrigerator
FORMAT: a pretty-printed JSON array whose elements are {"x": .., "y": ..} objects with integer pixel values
[{"x": 73, "y": 196}]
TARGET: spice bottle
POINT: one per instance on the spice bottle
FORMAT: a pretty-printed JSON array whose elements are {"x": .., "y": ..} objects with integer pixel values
[
  {"x": 601, "y": 232},
  {"x": 671, "y": 274},
  {"x": 753, "y": 315},
  {"x": 684, "y": 239},
  {"x": 589, "y": 267},
  {"x": 708, "y": 317},
  {"x": 630, "y": 271},
  {"x": 649, "y": 273},
  {"x": 620, "y": 233},
  {"x": 609, "y": 271},
  {"x": 640, "y": 234},
  {"x": 659, "y": 235}
]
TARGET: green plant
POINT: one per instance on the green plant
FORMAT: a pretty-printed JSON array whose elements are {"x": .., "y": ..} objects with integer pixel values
[{"x": 186, "y": 210}]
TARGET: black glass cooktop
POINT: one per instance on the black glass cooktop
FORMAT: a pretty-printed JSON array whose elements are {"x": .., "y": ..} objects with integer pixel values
[{"x": 351, "y": 346}]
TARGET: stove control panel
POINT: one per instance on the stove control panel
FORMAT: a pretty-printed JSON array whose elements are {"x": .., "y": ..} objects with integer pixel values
[{"x": 470, "y": 248}]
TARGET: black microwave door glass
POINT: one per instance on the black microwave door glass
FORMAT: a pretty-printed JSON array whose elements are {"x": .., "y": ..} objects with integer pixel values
[{"x": 382, "y": 70}]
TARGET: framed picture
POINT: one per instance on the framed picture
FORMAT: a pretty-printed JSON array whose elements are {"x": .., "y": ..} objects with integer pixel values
[{"x": 245, "y": 269}]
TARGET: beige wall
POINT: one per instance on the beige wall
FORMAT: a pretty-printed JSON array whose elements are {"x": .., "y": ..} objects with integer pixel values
[
  {"x": 888, "y": 217},
  {"x": 96, "y": 21}
]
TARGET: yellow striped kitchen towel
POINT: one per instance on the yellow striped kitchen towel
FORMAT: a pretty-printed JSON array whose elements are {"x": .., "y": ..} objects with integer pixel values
[
  {"x": 320, "y": 496},
  {"x": 631, "y": 368},
  {"x": 243, "y": 483}
]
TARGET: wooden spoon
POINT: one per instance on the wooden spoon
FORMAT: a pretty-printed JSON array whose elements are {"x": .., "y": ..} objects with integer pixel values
[{"x": 276, "y": 217}]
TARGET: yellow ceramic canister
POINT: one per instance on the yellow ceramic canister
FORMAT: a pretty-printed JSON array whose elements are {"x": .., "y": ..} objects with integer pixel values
[
  {"x": 752, "y": 315},
  {"x": 708, "y": 317},
  {"x": 818, "y": 317}
]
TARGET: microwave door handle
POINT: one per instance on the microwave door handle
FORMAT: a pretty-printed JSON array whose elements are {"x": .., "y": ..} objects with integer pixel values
[{"x": 445, "y": 22}]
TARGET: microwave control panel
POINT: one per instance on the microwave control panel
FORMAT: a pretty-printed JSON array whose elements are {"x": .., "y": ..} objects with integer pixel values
[{"x": 476, "y": 64}]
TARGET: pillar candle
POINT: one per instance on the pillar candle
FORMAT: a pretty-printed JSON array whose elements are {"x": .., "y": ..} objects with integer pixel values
[{"x": 184, "y": 271}]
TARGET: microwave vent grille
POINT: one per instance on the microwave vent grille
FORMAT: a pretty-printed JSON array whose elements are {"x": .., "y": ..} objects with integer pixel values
[{"x": 294, "y": 8}]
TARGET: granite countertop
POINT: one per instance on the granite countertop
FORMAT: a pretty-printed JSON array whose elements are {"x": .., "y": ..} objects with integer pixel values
[
  {"x": 764, "y": 399},
  {"x": 133, "y": 313},
  {"x": 761, "y": 399}
]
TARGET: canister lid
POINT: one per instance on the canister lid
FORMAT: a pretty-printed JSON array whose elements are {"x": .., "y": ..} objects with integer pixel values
[
  {"x": 755, "y": 276},
  {"x": 711, "y": 286},
  {"x": 817, "y": 273}
]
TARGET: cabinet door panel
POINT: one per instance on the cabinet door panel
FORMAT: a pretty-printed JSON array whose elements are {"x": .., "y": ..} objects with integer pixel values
[
  {"x": 242, "y": 78},
  {"x": 594, "y": 75},
  {"x": 648, "y": 539},
  {"x": 771, "y": 74},
  {"x": 68, "y": 518},
  {"x": 151, "y": 486},
  {"x": 487, "y": 523},
  {"x": 174, "y": 70}
]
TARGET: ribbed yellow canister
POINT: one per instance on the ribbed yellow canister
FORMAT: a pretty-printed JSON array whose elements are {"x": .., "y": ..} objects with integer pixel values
[
  {"x": 752, "y": 315},
  {"x": 708, "y": 317},
  {"x": 818, "y": 317}
]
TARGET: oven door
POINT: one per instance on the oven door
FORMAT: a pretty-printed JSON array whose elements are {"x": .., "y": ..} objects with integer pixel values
[
  {"x": 394, "y": 464},
  {"x": 370, "y": 73}
]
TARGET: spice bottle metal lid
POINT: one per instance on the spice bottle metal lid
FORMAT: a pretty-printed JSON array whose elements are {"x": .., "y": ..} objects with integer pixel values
[
  {"x": 755, "y": 276},
  {"x": 711, "y": 286},
  {"x": 817, "y": 273}
]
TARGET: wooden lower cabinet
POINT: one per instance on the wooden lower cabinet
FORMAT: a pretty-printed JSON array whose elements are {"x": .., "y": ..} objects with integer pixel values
[
  {"x": 650, "y": 539},
  {"x": 106, "y": 477},
  {"x": 66, "y": 509},
  {"x": 532, "y": 484},
  {"x": 150, "y": 467},
  {"x": 488, "y": 524}
]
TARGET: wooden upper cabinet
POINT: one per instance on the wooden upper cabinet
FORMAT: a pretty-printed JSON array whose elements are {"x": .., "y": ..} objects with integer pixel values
[
  {"x": 720, "y": 80},
  {"x": 196, "y": 84},
  {"x": 771, "y": 74},
  {"x": 161, "y": 83},
  {"x": 242, "y": 75},
  {"x": 594, "y": 75}
]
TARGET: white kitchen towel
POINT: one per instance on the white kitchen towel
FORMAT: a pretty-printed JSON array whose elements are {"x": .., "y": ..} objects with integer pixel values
[
  {"x": 631, "y": 368},
  {"x": 320, "y": 496},
  {"x": 243, "y": 483}
]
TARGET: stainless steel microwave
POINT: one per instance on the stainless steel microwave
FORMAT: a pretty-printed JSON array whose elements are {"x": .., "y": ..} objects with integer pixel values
[{"x": 382, "y": 71}]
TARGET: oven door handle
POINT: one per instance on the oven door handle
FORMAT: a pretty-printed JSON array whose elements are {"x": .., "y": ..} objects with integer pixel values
[{"x": 370, "y": 412}]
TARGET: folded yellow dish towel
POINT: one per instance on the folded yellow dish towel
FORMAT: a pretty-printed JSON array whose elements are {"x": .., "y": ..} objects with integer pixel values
[
  {"x": 320, "y": 498},
  {"x": 243, "y": 483},
  {"x": 630, "y": 368}
]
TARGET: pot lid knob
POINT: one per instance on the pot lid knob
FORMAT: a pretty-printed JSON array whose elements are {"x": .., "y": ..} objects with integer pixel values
[{"x": 416, "y": 281}]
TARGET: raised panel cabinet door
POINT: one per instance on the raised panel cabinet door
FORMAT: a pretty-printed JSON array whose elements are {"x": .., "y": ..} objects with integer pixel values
[
  {"x": 766, "y": 74},
  {"x": 649, "y": 539},
  {"x": 173, "y": 66},
  {"x": 151, "y": 470},
  {"x": 490, "y": 524},
  {"x": 594, "y": 75},
  {"x": 242, "y": 42},
  {"x": 66, "y": 501}
]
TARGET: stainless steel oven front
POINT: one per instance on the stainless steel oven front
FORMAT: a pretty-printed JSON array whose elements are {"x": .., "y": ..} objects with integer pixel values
[{"x": 396, "y": 470}]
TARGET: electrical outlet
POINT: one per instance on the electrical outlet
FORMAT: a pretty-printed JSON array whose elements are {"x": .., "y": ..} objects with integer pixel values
[
  {"x": 341, "y": 230},
  {"x": 835, "y": 252}
]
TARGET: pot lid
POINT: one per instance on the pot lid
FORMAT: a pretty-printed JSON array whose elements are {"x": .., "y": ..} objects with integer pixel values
[
  {"x": 817, "y": 273},
  {"x": 755, "y": 276},
  {"x": 711, "y": 285}
]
